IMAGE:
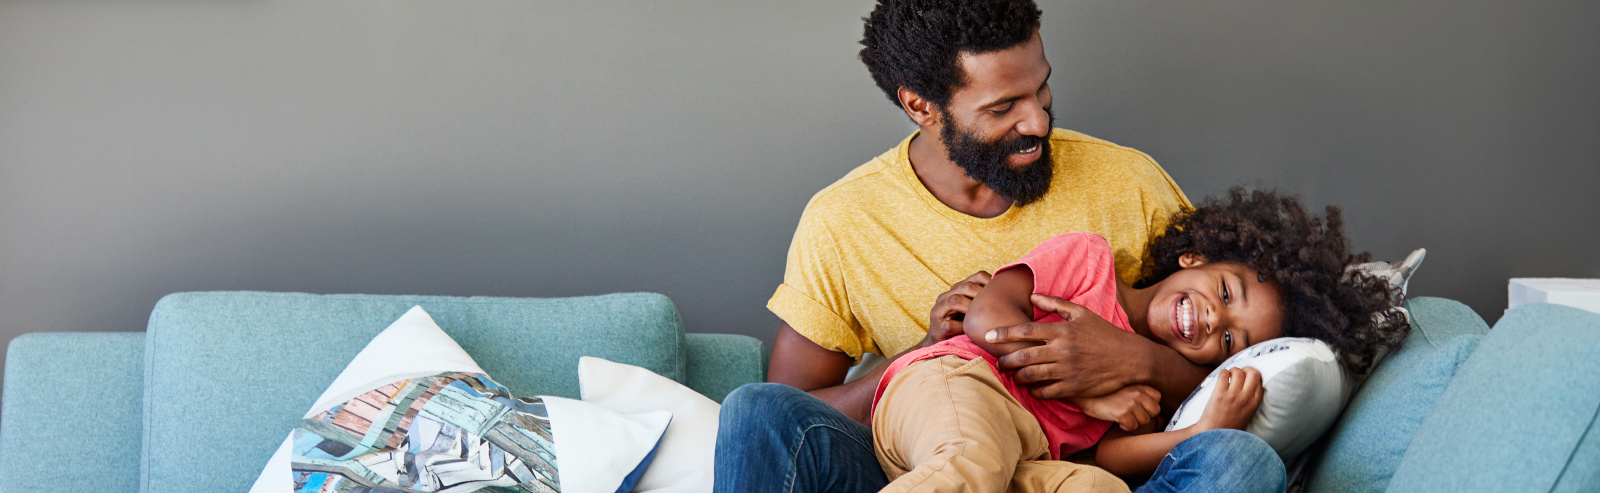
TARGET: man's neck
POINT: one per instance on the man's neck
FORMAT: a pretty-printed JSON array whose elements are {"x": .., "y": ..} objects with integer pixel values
[{"x": 948, "y": 182}]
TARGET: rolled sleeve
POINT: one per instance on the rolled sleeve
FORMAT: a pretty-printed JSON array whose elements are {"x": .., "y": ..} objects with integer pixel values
[{"x": 816, "y": 322}]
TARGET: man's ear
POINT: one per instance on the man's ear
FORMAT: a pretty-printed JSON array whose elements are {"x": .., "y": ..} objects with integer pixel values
[
  {"x": 920, "y": 110},
  {"x": 1188, "y": 260}
]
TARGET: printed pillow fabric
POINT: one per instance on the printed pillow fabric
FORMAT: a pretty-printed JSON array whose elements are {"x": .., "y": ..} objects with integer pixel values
[
  {"x": 1305, "y": 390},
  {"x": 412, "y": 412}
]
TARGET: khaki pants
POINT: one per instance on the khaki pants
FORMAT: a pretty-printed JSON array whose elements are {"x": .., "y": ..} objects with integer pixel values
[{"x": 948, "y": 424}]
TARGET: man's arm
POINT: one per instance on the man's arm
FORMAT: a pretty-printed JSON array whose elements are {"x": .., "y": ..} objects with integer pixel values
[
  {"x": 1087, "y": 356},
  {"x": 800, "y": 363}
]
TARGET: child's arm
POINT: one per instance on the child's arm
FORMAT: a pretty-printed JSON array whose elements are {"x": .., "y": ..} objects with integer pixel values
[
  {"x": 1002, "y": 303},
  {"x": 1232, "y": 405}
]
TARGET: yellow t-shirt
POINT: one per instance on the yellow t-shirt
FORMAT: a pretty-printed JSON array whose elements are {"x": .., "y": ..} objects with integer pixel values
[{"x": 874, "y": 249}]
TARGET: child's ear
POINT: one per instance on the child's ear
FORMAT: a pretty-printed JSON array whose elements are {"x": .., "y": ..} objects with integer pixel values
[{"x": 1188, "y": 260}]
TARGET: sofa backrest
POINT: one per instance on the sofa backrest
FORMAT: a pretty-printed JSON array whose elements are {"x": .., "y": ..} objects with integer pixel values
[
  {"x": 1364, "y": 447},
  {"x": 1522, "y": 414},
  {"x": 227, "y": 374}
]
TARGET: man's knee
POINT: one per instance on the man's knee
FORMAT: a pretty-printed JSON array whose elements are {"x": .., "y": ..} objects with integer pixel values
[{"x": 762, "y": 408}]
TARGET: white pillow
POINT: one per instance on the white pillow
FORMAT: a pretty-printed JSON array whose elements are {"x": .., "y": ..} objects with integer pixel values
[
  {"x": 688, "y": 450},
  {"x": 1305, "y": 389},
  {"x": 413, "y": 404}
]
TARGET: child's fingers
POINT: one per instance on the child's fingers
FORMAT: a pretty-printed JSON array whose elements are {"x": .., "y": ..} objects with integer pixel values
[
  {"x": 1151, "y": 402},
  {"x": 1231, "y": 386},
  {"x": 1252, "y": 377},
  {"x": 1129, "y": 420}
]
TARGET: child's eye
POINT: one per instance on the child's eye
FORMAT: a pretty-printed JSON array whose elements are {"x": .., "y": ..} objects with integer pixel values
[
  {"x": 1226, "y": 296},
  {"x": 1227, "y": 342}
]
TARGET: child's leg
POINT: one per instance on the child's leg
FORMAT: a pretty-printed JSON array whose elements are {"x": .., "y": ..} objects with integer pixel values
[
  {"x": 948, "y": 424},
  {"x": 1056, "y": 475}
]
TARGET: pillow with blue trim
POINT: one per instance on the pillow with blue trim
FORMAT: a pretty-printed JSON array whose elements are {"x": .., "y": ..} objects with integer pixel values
[{"x": 414, "y": 413}]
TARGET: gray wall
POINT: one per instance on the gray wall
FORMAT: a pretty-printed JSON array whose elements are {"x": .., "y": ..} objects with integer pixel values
[{"x": 555, "y": 148}]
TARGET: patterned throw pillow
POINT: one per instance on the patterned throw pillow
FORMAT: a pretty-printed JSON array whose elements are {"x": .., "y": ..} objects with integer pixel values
[{"x": 413, "y": 413}]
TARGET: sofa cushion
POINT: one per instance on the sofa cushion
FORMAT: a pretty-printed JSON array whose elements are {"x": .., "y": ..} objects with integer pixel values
[
  {"x": 71, "y": 421},
  {"x": 238, "y": 368},
  {"x": 1520, "y": 414},
  {"x": 1367, "y": 442}
]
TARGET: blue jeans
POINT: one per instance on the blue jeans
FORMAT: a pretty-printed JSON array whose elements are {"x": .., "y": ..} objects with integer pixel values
[{"x": 775, "y": 438}]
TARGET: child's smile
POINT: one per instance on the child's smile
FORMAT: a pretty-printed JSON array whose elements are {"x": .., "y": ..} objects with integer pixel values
[{"x": 1209, "y": 311}]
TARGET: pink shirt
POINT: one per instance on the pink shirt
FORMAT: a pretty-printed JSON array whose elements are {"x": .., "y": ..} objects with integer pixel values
[{"x": 1077, "y": 267}]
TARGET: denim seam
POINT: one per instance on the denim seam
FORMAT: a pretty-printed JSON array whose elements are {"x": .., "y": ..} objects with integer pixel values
[{"x": 800, "y": 444}]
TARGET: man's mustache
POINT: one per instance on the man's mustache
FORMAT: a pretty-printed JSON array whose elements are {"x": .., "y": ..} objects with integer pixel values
[{"x": 1018, "y": 143}]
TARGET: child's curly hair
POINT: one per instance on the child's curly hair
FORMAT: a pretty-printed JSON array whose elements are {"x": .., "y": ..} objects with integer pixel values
[{"x": 1273, "y": 235}]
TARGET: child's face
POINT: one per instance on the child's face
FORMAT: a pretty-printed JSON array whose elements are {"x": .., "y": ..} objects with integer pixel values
[{"x": 1210, "y": 310}]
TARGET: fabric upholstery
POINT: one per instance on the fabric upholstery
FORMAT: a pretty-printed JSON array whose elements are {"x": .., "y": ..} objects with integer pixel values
[
  {"x": 227, "y": 372},
  {"x": 71, "y": 418},
  {"x": 1366, "y": 444},
  {"x": 718, "y": 363},
  {"x": 1520, "y": 414}
]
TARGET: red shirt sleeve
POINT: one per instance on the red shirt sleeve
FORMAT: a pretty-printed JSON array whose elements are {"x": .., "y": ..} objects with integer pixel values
[{"x": 1077, "y": 267}]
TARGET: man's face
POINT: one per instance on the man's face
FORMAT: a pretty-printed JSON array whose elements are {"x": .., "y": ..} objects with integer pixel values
[{"x": 997, "y": 126}]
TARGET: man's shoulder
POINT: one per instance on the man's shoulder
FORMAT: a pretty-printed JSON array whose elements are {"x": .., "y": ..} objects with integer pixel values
[
  {"x": 876, "y": 180},
  {"x": 1083, "y": 145},
  {"x": 1105, "y": 163}
]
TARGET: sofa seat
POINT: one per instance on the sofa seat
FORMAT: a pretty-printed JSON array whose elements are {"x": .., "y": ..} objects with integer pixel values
[{"x": 203, "y": 397}]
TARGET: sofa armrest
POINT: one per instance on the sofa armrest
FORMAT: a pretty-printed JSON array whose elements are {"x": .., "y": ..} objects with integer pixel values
[
  {"x": 718, "y": 363},
  {"x": 72, "y": 414}
]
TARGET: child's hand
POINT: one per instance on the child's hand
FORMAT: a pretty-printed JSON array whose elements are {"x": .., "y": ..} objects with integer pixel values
[
  {"x": 1234, "y": 401},
  {"x": 1131, "y": 407}
]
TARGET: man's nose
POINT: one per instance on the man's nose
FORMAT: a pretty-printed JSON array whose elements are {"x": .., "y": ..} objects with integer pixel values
[{"x": 1036, "y": 123}]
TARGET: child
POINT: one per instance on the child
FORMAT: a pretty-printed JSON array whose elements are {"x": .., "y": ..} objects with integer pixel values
[{"x": 1220, "y": 278}]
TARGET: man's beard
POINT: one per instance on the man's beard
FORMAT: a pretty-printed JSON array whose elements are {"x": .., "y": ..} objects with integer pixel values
[{"x": 986, "y": 162}]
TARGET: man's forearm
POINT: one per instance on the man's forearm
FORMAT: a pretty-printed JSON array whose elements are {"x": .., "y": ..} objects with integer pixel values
[{"x": 1171, "y": 374}]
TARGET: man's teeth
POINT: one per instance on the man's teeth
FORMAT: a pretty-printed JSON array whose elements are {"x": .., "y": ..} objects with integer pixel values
[
  {"x": 1028, "y": 150},
  {"x": 1186, "y": 318}
]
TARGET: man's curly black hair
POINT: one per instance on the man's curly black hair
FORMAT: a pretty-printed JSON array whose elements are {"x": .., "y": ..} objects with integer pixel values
[
  {"x": 1307, "y": 258},
  {"x": 916, "y": 44}
]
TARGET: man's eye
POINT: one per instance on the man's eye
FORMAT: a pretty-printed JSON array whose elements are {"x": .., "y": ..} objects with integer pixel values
[{"x": 1001, "y": 111}]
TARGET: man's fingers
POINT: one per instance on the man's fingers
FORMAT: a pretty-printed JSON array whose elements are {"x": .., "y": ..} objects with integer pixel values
[
  {"x": 1029, "y": 331},
  {"x": 1032, "y": 374},
  {"x": 1066, "y": 309},
  {"x": 1029, "y": 357},
  {"x": 947, "y": 329},
  {"x": 956, "y": 304}
]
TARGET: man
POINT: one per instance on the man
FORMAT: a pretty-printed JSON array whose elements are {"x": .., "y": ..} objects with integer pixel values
[{"x": 984, "y": 180}]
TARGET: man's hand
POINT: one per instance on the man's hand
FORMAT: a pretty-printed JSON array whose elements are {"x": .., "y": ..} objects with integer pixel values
[
  {"x": 1234, "y": 400},
  {"x": 1130, "y": 408},
  {"x": 950, "y": 308},
  {"x": 1083, "y": 356}
]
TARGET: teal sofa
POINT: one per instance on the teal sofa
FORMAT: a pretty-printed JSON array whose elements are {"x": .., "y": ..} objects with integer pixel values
[{"x": 200, "y": 400}]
